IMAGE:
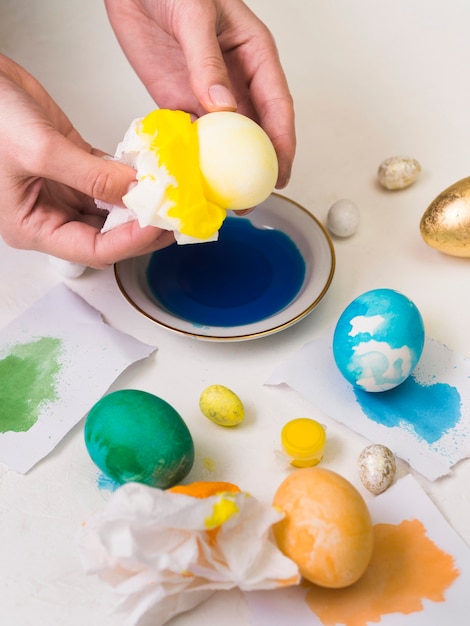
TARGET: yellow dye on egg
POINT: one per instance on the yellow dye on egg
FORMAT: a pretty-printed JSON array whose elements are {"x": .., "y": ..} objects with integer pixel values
[
  {"x": 221, "y": 511},
  {"x": 174, "y": 141}
]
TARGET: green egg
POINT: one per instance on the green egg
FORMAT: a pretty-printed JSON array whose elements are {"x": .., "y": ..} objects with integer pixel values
[{"x": 135, "y": 436}]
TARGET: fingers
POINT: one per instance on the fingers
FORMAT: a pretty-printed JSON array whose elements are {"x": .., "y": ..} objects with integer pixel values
[
  {"x": 128, "y": 241},
  {"x": 207, "y": 71},
  {"x": 82, "y": 243},
  {"x": 269, "y": 91},
  {"x": 56, "y": 158},
  {"x": 278, "y": 121},
  {"x": 273, "y": 102}
]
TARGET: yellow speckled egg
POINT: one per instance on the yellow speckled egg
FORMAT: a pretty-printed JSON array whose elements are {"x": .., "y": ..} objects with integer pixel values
[
  {"x": 445, "y": 224},
  {"x": 327, "y": 529},
  {"x": 237, "y": 160},
  {"x": 221, "y": 405}
]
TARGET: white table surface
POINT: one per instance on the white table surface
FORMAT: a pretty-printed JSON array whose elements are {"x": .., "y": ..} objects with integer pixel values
[{"x": 370, "y": 80}]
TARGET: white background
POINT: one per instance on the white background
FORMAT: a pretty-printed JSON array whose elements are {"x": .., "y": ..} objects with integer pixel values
[{"x": 370, "y": 80}]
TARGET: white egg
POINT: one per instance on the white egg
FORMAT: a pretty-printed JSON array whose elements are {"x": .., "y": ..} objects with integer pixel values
[
  {"x": 68, "y": 269},
  {"x": 343, "y": 218},
  {"x": 237, "y": 160}
]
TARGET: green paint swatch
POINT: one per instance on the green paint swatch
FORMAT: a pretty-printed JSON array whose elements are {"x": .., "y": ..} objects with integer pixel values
[{"x": 27, "y": 381}]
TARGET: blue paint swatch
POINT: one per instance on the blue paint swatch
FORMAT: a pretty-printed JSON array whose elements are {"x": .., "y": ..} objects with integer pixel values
[
  {"x": 105, "y": 483},
  {"x": 247, "y": 275},
  {"x": 430, "y": 410}
]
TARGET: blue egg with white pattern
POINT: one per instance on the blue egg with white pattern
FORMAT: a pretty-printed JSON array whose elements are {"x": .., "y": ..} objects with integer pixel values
[{"x": 378, "y": 340}]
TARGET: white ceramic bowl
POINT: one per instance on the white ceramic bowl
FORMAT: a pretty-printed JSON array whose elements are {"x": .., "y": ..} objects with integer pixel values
[{"x": 277, "y": 212}]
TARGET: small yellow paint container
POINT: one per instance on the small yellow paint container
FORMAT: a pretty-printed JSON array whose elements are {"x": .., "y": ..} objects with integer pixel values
[{"x": 303, "y": 439}]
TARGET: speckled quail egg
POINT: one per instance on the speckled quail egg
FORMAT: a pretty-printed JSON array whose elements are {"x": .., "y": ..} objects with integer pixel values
[
  {"x": 377, "y": 468},
  {"x": 398, "y": 172},
  {"x": 221, "y": 405}
]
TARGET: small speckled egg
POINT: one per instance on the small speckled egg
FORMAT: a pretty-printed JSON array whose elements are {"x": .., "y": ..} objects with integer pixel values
[
  {"x": 135, "y": 436},
  {"x": 378, "y": 340},
  {"x": 445, "y": 224},
  {"x": 221, "y": 405},
  {"x": 398, "y": 172},
  {"x": 377, "y": 468},
  {"x": 327, "y": 529},
  {"x": 343, "y": 218}
]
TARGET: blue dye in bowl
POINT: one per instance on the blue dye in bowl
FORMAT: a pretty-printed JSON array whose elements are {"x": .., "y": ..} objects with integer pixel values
[{"x": 246, "y": 276}]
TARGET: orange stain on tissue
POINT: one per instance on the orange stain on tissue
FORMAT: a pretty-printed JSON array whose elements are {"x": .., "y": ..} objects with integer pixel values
[
  {"x": 406, "y": 568},
  {"x": 205, "y": 488}
]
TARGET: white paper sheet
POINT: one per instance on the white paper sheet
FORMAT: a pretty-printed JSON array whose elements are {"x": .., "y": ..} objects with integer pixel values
[
  {"x": 56, "y": 360},
  {"x": 405, "y": 500},
  {"x": 425, "y": 420}
]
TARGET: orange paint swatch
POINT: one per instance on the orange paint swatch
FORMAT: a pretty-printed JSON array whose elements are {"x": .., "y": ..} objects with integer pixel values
[{"x": 406, "y": 568}]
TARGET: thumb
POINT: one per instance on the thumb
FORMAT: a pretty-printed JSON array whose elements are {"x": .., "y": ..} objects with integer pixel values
[
  {"x": 67, "y": 163},
  {"x": 207, "y": 70}
]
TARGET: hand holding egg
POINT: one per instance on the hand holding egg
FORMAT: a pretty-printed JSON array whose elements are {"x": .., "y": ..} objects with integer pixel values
[{"x": 190, "y": 173}]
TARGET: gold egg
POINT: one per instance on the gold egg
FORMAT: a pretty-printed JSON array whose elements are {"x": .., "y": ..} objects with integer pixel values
[{"x": 445, "y": 224}]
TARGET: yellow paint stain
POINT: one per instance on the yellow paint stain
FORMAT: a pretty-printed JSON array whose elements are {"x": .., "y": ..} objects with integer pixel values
[
  {"x": 209, "y": 464},
  {"x": 174, "y": 139},
  {"x": 222, "y": 510},
  {"x": 406, "y": 568}
]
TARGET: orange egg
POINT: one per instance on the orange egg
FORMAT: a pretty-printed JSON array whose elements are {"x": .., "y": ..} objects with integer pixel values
[{"x": 327, "y": 528}]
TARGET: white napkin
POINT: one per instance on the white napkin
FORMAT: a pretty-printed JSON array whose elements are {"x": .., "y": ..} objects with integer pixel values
[{"x": 164, "y": 553}]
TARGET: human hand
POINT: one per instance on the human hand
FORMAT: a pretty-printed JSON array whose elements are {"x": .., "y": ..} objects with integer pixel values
[
  {"x": 49, "y": 176},
  {"x": 209, "y": 55}
]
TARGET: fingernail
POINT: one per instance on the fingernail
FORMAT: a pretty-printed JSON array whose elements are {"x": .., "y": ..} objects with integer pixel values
[
  {"x": 222, "y": 98},
  {"x": 283, "y": 180},
  {"x": 282, "y": 183}
]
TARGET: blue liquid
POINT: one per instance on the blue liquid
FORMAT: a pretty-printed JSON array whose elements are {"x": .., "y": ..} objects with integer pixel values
[
  {"x": 431, "y": 410},
  {"x": 247, "y": 275},
  {"x": 105, "y": 483}
]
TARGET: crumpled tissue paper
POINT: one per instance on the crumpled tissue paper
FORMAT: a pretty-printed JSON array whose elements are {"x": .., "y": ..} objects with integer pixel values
[{"x": 164, "y": 553}]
